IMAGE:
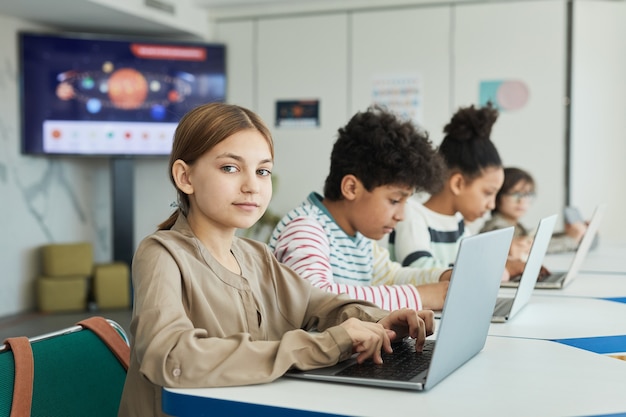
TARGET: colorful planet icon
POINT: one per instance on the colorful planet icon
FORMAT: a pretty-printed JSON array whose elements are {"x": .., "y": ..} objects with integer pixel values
[{"x": 125, "y": 89}]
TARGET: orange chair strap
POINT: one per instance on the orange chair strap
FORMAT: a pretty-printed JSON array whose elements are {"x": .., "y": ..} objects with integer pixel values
[
  {"x": 24, "y": 376},
  {"x": 110, "y": 337}
]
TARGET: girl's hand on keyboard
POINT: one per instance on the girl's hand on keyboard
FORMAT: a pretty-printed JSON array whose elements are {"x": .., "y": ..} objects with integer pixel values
[
  {"x": 368, "y": 339},
  {"x": 407, "y": 322}
]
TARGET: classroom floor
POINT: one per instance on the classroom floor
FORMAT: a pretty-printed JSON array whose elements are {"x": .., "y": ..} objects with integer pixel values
[{"x": 34, "y": 323}]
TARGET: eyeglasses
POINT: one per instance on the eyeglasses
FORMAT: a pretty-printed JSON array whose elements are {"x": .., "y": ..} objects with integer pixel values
[{"x": 519, "y": 196}]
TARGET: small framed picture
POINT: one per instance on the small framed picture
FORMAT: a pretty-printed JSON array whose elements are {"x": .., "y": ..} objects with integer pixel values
[{"x": 297, "y": 113}]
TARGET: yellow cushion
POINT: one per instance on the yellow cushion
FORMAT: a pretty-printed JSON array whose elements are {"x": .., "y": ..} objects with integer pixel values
[
  {"x": 69, "y": 259},
  {"x": 111, "y": 285},
  {"x": 62, "y": 294}
]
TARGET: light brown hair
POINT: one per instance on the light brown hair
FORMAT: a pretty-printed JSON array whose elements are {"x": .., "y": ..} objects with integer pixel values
[{"x": 199, "y": 131}]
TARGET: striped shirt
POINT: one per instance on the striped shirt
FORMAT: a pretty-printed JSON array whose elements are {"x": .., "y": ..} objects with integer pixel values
[
  {"x": 425, "y": 238},
  {"x": 308, "y": 240}
]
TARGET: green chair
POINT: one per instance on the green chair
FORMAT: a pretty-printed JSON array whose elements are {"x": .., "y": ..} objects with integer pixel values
[{"x": 78, "y": 371}]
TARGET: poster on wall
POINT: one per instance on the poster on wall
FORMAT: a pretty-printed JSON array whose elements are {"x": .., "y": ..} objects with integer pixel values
[
  {"x": 298, "y": 113},
  {"x": 400, "y": 94},
  {"x": 505, "y": 95}
]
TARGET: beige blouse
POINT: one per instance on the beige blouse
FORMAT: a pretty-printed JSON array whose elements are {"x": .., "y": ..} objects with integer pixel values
[{"x": 196, "y": 324}]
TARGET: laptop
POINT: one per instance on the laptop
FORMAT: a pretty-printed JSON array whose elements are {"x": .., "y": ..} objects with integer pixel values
[
  {"x": 507, "y": 307},
  {"x": 462, "y": 330},
  {"x": 560, "y": 279}
]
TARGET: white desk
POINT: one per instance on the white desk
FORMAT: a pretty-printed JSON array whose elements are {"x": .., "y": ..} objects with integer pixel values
[
  {"x": 592, "y": 285},
  {"x": 585, "y": 284},
  {"x": 512, "y": 377},
  {"x": 520, "y": 372},
  {"x": 606, "y": 258},
  {"x": 552, "y": 317}
]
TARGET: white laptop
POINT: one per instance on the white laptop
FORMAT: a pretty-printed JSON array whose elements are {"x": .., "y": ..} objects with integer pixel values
[
  {"x": 507, "y": 307},
  {"x": 560, "y": 279},
  {"x": 462, "y": 330}
]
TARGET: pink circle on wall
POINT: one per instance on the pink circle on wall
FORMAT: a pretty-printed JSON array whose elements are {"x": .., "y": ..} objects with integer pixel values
[{"x": 512, "y": 95}]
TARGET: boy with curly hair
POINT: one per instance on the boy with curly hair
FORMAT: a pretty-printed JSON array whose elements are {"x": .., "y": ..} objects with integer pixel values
[{"x": 376, "y": 164}]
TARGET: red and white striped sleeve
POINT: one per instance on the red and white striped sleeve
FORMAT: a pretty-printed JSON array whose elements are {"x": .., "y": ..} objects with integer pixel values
[{"x": 304, "y": 247}]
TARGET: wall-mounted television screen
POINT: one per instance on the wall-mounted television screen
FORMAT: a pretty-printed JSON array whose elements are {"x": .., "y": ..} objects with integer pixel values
[{"x": 99, "y": 96}]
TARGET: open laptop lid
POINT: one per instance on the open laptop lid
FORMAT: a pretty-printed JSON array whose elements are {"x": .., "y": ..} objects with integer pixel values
[
  {"x": 585, "y": 244},
  {"x": 566, "y": 276},
  {"x": 465, "y": 322},
  {"x": 470, "y": 301},
  {"x": 538, "y": 250}
]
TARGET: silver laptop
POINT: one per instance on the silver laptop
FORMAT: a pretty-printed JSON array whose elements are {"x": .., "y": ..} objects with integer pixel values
[
  {"x": 462, "y": 330},
  {"x": 560, "y": 279},
  {"x": 507, "y": 307}
]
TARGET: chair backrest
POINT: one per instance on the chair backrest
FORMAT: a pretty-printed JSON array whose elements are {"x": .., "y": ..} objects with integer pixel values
[{"x": 76, "y": 372}]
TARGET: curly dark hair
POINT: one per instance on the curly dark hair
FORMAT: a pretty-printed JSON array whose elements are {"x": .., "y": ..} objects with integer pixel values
[
  {"x": 380, "y": 149},
  {"x": 467, "y": 146}
]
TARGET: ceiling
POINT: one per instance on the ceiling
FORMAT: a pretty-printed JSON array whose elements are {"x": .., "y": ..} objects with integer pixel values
[
  {"x": 89, "y": 16},
  {"x": 209, "y": 4},
  {"x": 98, "y": 16}
]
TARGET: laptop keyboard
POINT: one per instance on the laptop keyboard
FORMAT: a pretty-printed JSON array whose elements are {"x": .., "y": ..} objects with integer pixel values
[
  {"x": 552, "y": 277},
  {"x": 401, "y": 365},
  {"x": 503, "y": 307},
  {"x": 543, "y": 277}
]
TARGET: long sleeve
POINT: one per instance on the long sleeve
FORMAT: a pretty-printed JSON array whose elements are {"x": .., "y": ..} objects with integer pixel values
[
  {"x": 196, "y": 324},
  {"x": 386, "y": 271},
  {"x": 304, "y": 246},
  {"x": 230, "y": 343}
]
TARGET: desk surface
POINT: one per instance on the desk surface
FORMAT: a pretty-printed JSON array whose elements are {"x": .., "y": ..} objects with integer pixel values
[
  {"x": 512, "y": 377},
  {"x": 585, "y": 284},
  {"x": 606, "y": 258},
  {"x": 591, "y": 284},
  {"x": 552, "y": 317},
  {"x": 521, "y": 371}
]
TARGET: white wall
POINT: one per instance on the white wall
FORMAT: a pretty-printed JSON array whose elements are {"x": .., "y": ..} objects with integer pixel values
[
  {"x": 57, "y": 200},
  {"x": 42, "y": 200},
  {"x": 599, "y": 112},
  {"x": 154, "y": 194},
  {"x": 295, "y": 58},
  {"x": 452, "y": 48},
  {"x": 404, "y": 42},
  {"x": 333, "y": 57},
  {"x": 522, "y": 41},
  {"x": 336, "y": 56},
  {"x": 302, "y": 58},
  {"x": 241, "y": 56}
]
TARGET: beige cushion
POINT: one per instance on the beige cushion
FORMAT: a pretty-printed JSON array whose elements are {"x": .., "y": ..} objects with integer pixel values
[
  {"x": 111, "y": 285},
  {"x": 69, "y": 259},
  {"x": 62, "y": 294}
]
